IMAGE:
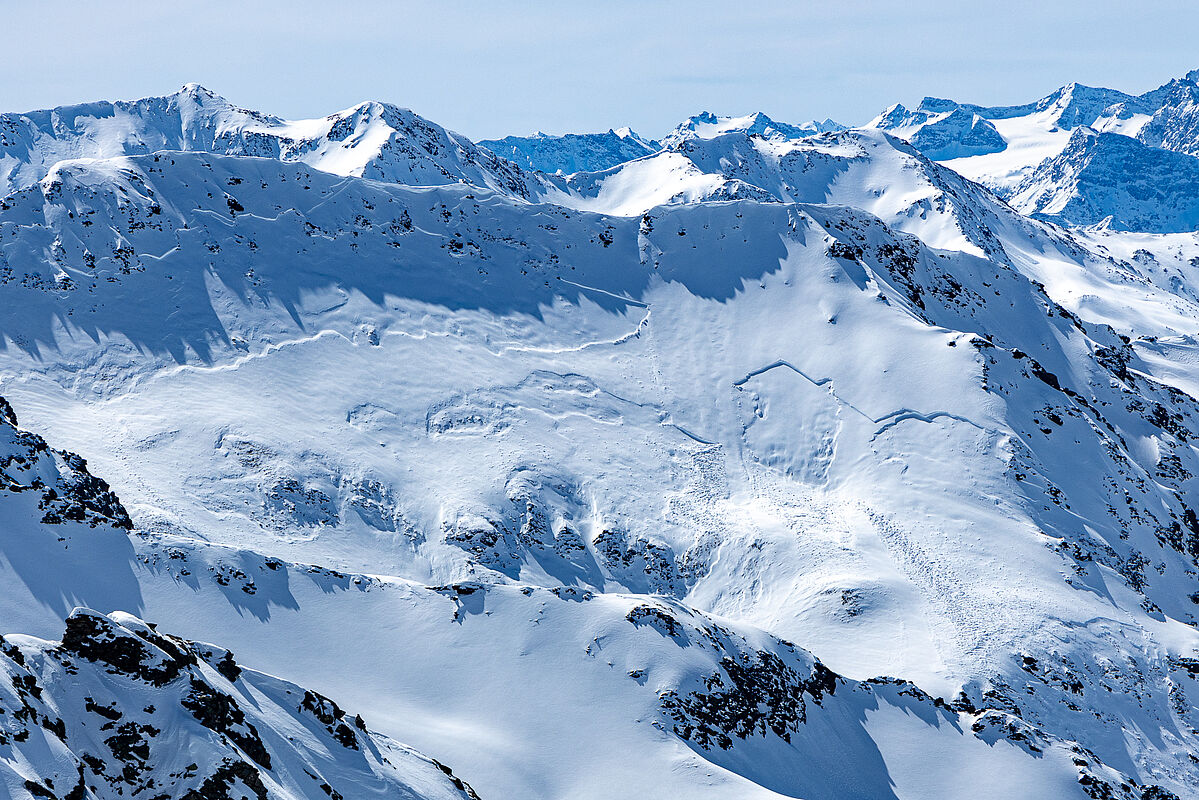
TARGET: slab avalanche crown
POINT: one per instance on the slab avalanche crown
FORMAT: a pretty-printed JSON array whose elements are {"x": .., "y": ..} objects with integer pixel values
[{"x": 761, "y": 460}]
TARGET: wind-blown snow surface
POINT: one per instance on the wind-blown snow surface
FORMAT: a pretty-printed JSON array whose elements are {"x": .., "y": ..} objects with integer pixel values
[
  {"x": 573, "y": 457},
  {"x": 503, "y": 677}
]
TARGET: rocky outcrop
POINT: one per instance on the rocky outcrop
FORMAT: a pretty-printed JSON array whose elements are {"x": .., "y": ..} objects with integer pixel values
[{"x": 117, "y": 709}]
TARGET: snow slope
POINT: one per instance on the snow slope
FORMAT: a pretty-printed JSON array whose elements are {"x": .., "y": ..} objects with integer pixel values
[
  {"x": 499, "y": 677},
  {"x": 873, "y": 171},
  {"x": 819, "y": 390},
  {"x": 116, "y": 706}
]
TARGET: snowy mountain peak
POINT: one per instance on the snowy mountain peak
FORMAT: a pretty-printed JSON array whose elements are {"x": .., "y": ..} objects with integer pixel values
[
  {"x": 891, "y": 117},
  {"x": 827, "y": 125},
  {"x": 573, "y": 152},
  {"x": 371, "y": 139},
  {"x": 707, "y": 125},
  {"x": 942, "y": 129},
  {"x": 1075, "y": 104},
  {"x": 936, "y": 105},
  {"x": 201, "y": 94},
  {"x": 1114, "y": 180}
]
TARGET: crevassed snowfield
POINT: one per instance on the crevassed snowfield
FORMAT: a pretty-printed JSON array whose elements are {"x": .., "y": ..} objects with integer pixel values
[{"x": 777, "y": 461}]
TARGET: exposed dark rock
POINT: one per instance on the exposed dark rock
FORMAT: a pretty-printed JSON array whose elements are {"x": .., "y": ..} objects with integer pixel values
[
  {"x": 219, "y": 712},
  {"x": 220, "y": 784},
  {"x": 76, "y": 495},
  {"x": 96, "y": 638},
  {"x": 332, "y": 717},
  {"x": 749, "y": 695}
]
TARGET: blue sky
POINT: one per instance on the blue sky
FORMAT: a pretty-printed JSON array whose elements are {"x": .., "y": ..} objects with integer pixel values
[{"x": 493, "y": 68}]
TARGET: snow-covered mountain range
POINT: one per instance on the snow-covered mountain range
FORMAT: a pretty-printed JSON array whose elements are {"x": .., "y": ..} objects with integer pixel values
[
  {"x": 759, "y": 460},
  {"x": 1048, "y": 159},
  {"x": 1115, "y": 181},
  {"x": 596, "y": 152},
  {"x": 371, "y": 140}
]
